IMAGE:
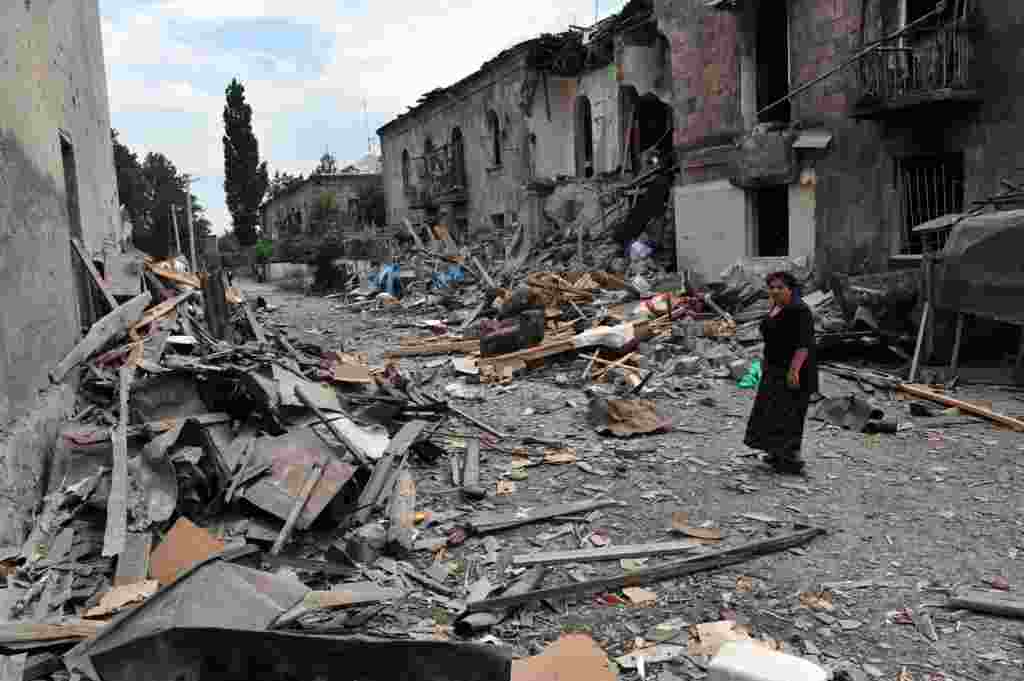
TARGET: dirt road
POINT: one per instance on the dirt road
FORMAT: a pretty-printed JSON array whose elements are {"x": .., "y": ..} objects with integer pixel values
[{"x": 909, "y": 516}]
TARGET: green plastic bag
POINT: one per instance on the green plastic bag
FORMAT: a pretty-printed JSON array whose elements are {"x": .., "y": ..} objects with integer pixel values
[{"x": 753, "y": 376}]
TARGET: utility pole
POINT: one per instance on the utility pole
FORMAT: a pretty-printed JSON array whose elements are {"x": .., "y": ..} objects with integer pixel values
[
  {"x": 191, "y": 227},
  {"x": 177, "y": 237}
]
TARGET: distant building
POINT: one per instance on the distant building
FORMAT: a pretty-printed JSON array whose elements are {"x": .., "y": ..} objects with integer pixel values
[
  {"x": 475, "y": 155},
  {"x": 322, "y": 204},
  {"x": 57, "y": 183}
]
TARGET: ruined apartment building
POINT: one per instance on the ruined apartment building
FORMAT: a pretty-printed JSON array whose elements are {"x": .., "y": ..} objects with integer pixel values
[
  {"x": 319, "y": 204},
  {"x": 56, "y": 182},
  {"x": 479, "y": 156},
  {"x": 915, "y": 129}
]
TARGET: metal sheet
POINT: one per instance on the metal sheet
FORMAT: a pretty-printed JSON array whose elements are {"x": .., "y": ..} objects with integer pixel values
[
  {"x": 195, "y": 653},
  {"x": 813, "y": 139},
  {"x": 291, "y": 455}
]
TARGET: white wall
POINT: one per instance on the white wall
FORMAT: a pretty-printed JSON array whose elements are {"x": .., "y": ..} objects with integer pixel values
[
  {"x": 802, "y": 225},
  {"x": 711, "y": 227}
]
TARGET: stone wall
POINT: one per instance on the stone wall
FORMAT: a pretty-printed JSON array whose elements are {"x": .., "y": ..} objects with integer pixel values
[{"x": 54, "y": 84}]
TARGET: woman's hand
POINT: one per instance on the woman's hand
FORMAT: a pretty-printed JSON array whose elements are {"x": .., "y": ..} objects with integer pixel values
[{"x": 793, "y": 379}]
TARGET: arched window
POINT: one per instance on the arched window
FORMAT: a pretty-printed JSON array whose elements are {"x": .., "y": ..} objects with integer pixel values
[
  {"x": 494, "y": 129},
  {"x": 458, "y": 159},
  {"x": 584, "y": 138},
  {"x": 406, "y": 177}
]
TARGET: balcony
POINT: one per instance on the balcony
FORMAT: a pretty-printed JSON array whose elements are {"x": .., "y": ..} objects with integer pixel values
[
  {"x": 441, "y": 178},
  {"x": 928, "y": 68}
]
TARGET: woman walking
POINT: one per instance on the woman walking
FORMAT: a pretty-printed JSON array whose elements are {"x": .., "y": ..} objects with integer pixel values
[{"x": 789, "y": 376}]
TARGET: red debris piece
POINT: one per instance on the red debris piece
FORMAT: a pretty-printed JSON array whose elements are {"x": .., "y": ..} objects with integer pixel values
[
  {"x": 456, "y": 536},
  {"x": 903, "y": 616},
  {"x": 1000, "y": 583}
]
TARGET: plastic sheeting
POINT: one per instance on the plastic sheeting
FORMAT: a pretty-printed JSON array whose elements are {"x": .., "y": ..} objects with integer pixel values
[{"x": 981, "y": 271}]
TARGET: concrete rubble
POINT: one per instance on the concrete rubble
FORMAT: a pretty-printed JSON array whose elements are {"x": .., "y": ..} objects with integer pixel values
[{"x": 354, "y": 499}]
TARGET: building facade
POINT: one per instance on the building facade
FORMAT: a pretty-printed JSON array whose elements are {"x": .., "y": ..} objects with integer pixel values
[
  {"x": 581, "y": 104},
  {"x": 321, "y": 204},
  {"x": 912, "y": 116},
  {"x": 57, "y": 182}
]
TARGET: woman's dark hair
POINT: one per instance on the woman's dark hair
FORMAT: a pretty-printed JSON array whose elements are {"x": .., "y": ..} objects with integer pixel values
[{"x": 788, "y": 280}]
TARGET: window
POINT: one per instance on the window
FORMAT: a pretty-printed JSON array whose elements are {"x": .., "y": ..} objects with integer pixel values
[
  {"x": 494, "y": 129},
  {"x": 458, "y": 168},
  {"x": 773, "y": 64},
  {"x": 406, "y": 177},
  {"x": 498, "y": 220},
  {"x": 584, "y": 138},
  {"x": 915, "y": 9},
  {"x": 929, "y": 187},
  {"x": 771, "y": 212},
  {"x": 67, "y": 153}
]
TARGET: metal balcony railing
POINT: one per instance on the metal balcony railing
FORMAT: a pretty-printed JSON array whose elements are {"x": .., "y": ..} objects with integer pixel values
[{"x": 925, "y": 62}]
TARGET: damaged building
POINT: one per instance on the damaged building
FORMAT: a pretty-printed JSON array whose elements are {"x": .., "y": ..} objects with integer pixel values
[
  {"x": 528, "y": 139},
  {"x": 321, "y": 203},
  {"x": 845, "y": 131},
  {"x": 59, "y": 214}
]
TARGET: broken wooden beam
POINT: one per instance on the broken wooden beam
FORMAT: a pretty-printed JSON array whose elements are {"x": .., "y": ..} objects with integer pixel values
[
  {"x": 991, "y": 602},
  {"x": 491, "y": 522},
  {"x": 400, "y": 443},
  {"x": 402, "y": 515},
  {"x": 966, "y": 407},
  {"x": 477, "y": 422},
  {"x": 471, "y": 488},
  {"x": 159, "y": 310},
  {"x": 673, "y": 570},
  {"x": 345, "y": 596},
  {"x": 79, "y": 250},
  {"x": 611, "y": 553},
  {"x": 116, "y": 532},
  {"x": 312, "y": 479},
  {"x": 33, "y": 632},
  {"x": 472, "y": 623},
  {"x": 110, "y": 326}
]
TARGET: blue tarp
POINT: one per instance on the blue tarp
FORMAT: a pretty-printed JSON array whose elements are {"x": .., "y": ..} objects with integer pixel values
[
  {"x": 453, "y": 275},
  {"x": 387, "y": 279}
]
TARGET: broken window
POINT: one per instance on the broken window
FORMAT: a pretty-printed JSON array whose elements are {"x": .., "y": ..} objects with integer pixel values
[
  {"x": 406, "y": 173},
  {"x": 929, "y": 187},
  {"x": 494, "y": 129},
  {"x": 458, "y": 162},
  {"x": 771, "y": 215},
  {"x": 773, "y": 63},
  {"x": 584, "y": 138}
]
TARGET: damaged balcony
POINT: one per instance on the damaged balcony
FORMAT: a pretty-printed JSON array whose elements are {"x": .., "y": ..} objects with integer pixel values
[
  {"x": 927, "y": 68},
  {"x": 441, "y": 178}
]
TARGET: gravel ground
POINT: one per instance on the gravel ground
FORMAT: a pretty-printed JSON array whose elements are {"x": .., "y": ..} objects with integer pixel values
[{"x": 909, "y": 516}]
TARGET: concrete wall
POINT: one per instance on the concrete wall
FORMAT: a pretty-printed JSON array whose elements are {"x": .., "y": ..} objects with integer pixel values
[
  {"x": 711, "y": 231},
  {"x": 53, "y": 80}
]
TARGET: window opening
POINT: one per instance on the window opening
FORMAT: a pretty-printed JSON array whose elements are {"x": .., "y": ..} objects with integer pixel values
[
  {"x": 494, "y": 128},
  {"x": 929, "y": 187},
  {"x": 773, "y": 63},
  {"x": 584, "y": 138}
]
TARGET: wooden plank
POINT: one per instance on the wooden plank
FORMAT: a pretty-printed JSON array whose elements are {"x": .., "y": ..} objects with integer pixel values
[
  {"x": 966, "y": 407},
  {"x": 441, "y": 348},
  {"x": 478, "y": 423},
  {"x": 116, "y": 533},
  {"x": 133, "y": 563},
  {"x": 402, "y": 514},
  {"x": 484, "y": 273},
  {"x": 110, "y": 326},
  {"x": 537, "y": 352},
  {"x": 673, "y": 570},
  {"x": 29, "y": 632},
  {"x": 611, "y": 553},
  {"x": 471, "y": 488},
  {"x": 312, "y": 479},
  {"x": 79, "y": 250},
  {"x": 361, "y": 457},
  {"x": 177, "y": 277},
  {"x": 345, "y": 596},
  {"x": 257, "y": 328},
  {"x": 400, "y": 443},
  {"x": 158, "y": 311},
  {"x": 489, "y": 522},
  {"x": 992, "y": 602}
]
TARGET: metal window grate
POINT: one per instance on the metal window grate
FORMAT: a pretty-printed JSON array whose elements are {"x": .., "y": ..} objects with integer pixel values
[{"x": 929, "y": 187}]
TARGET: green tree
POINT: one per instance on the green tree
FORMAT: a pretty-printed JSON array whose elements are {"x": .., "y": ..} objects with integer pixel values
[
  {"x": 245, "y": 178},
  {"x": 131, "y": 183}
]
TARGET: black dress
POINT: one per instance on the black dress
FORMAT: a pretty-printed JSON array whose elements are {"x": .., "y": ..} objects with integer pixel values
[{"x": 776, "y": 422}]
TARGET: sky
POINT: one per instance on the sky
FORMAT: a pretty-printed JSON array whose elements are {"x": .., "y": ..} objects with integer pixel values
[{"x": 320, "y": 75}]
